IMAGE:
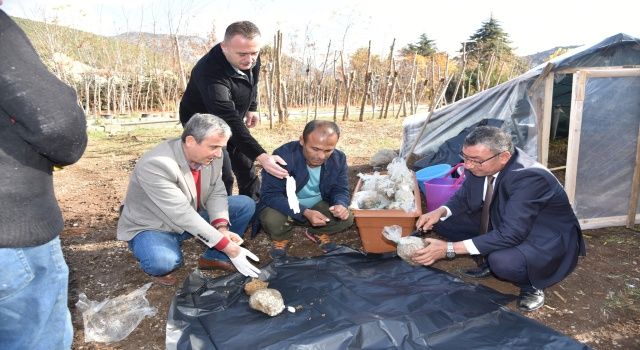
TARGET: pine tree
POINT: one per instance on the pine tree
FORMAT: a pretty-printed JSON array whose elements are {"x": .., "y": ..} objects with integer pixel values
[
  {"x": 489, "y": 39},
  {"x": 488, "y": 58},
  {"x": 424, "y": 47}
]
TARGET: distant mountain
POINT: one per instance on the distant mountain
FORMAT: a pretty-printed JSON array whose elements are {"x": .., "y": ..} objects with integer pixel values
[
  {"x": 103, "y": 52},
  {"x": 543, "y": 56},
  {"x": 72, "y": 54},
  {"x": 191, "y": 47}
]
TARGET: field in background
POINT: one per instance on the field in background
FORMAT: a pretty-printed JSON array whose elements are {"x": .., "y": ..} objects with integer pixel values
[{"x": 358, "y": 139}]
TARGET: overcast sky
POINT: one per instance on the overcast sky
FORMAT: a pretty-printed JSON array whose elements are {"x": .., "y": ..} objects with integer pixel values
[{"x": 532, "y": 26}]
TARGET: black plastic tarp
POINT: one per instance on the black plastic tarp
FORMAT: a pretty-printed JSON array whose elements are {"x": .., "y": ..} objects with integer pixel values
[{"x": 351, "y": 300}]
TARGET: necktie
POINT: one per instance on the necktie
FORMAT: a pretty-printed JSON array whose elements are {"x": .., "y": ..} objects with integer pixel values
[{"x": 484, "y": 218}]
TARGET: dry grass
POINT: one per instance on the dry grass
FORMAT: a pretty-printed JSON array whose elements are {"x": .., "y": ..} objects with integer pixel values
[{"x": 357, "y": 140}]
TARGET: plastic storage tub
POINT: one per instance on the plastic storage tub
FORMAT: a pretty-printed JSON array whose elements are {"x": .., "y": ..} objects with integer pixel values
[
  {"x": 370, "y": 223},
  {"x": 431, "y": 172}
]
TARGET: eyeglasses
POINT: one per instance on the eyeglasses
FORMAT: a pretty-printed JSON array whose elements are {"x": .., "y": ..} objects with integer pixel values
[{"x": 474, "y": 162}]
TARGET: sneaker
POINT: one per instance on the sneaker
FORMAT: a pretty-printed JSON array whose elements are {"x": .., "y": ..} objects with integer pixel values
[
  {"x": 325, "y": 243},
  {"x": 327, "y": 247},
  {"x": 279, "y": 249}
]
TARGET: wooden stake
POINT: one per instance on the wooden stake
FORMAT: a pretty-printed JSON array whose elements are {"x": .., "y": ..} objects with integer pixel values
[
  {"x": 635, "y": 185},
  {"x": 434, "y": 102},
  {"x": 367, "y": 82},
  {"x": 277, "y": 76},
  {"x": 268, "y": 85},
  {"x": 388, "y": 80},
  {"x": 391, "y": 93}
]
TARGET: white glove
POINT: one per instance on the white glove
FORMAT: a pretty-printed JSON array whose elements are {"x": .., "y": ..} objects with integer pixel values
[
  {"x": 294, "y": 204},
  {"x": 243, "y": 265}
]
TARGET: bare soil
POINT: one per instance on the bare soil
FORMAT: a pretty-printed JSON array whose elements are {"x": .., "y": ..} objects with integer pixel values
[{"x": 598, "y": 304}]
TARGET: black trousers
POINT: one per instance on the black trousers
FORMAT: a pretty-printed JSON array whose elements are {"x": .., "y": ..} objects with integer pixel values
[
  {"x": 508, "y": 264},
  {"x": 236, "y": 163}
]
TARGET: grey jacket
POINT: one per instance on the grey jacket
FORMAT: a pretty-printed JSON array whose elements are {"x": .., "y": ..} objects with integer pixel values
[
  {"x": 162, "y": 196},
  {"x": 41, "y": 125}
]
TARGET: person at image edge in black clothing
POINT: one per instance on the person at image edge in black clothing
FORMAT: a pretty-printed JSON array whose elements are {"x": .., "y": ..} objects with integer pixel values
[
  {"x": 224, "y": 83},
  {"x": 42, "y": 128}
]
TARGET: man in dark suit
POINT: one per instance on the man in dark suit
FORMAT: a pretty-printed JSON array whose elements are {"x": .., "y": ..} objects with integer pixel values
[{"x": 532, "y": 237}]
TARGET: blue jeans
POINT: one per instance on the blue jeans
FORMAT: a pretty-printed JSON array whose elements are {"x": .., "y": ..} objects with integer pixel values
[
  {"x": 33, "y": 298},
  {"x": 159, "y": 252}
]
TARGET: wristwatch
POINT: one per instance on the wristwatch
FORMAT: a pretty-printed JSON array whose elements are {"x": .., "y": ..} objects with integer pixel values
[{"x": 450, "y": 252}]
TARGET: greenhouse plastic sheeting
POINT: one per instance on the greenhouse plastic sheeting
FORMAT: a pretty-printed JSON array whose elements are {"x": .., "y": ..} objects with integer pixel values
[
  {"x": 598, "y": 171},
  {"x": 514, "y": 101},
  {"x": 349, "y": 300}
]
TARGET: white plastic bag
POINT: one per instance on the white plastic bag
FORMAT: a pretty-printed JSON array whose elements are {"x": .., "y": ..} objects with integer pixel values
[
  {"x": 403, "y": 185},
  {"x": 369, "y": 200},
  {"x": 399, "y": 173},
  {"x": 392, "y": 191},
  {"x": 375, "y": 182},
  {"x": 112, "y": 320},
  {"x": 392, "y": 233},
  {"x": 403, "y": 199},
  {"x": 406, "y": 246}
]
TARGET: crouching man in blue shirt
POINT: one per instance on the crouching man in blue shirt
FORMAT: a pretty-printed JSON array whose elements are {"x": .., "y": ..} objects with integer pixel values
[{"x": 321, "y": 188}]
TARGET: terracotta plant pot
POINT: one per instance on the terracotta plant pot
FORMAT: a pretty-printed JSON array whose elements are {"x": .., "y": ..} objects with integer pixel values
[{"x": 370, "y": 223}]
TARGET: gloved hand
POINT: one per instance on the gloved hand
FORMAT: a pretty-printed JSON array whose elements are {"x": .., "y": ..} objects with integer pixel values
[{"x": 243, "y": 265}]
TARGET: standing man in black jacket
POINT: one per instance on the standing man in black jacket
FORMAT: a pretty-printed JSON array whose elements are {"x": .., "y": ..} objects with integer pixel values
[
  {"x": 41, "y": 125},
  {"x": 224, "y": 83}
]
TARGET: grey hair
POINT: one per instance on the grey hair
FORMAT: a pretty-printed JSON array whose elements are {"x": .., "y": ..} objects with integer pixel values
[
  {"x": 496, "y": 139},
  {"x": 245, "y": 28},
  {"x": 201, "y": 126}
]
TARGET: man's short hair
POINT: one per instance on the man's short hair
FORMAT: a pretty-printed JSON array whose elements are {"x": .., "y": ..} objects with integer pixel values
[
  {"x": 245, "y": 28},
  {"x": 201, "y": 126},
  {"x": 327, "y": 127},
  {"x": 496, "y": 139}
]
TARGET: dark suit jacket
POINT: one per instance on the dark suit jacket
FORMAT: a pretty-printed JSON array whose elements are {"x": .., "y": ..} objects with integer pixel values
[{"x": 529, "y": 211}]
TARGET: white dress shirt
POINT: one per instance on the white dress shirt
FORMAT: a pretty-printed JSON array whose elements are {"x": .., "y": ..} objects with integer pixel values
[{"x": 468, "y": 243}]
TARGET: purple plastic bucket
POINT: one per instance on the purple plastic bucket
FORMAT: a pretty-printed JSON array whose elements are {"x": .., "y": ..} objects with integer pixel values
[
  {"x": 439, "y": 190},
  {"x": 431, "y": 172}
]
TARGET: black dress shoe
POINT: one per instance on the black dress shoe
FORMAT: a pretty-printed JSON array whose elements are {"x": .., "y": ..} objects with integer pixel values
[
  {"x": 530, "y": 300},
  {"x": 478, "y": 272}
]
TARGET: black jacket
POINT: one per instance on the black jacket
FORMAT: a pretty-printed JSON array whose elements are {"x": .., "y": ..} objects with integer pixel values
[
  {"x": 215, "y": 87},
  {"x": 41, "y": 125}
]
